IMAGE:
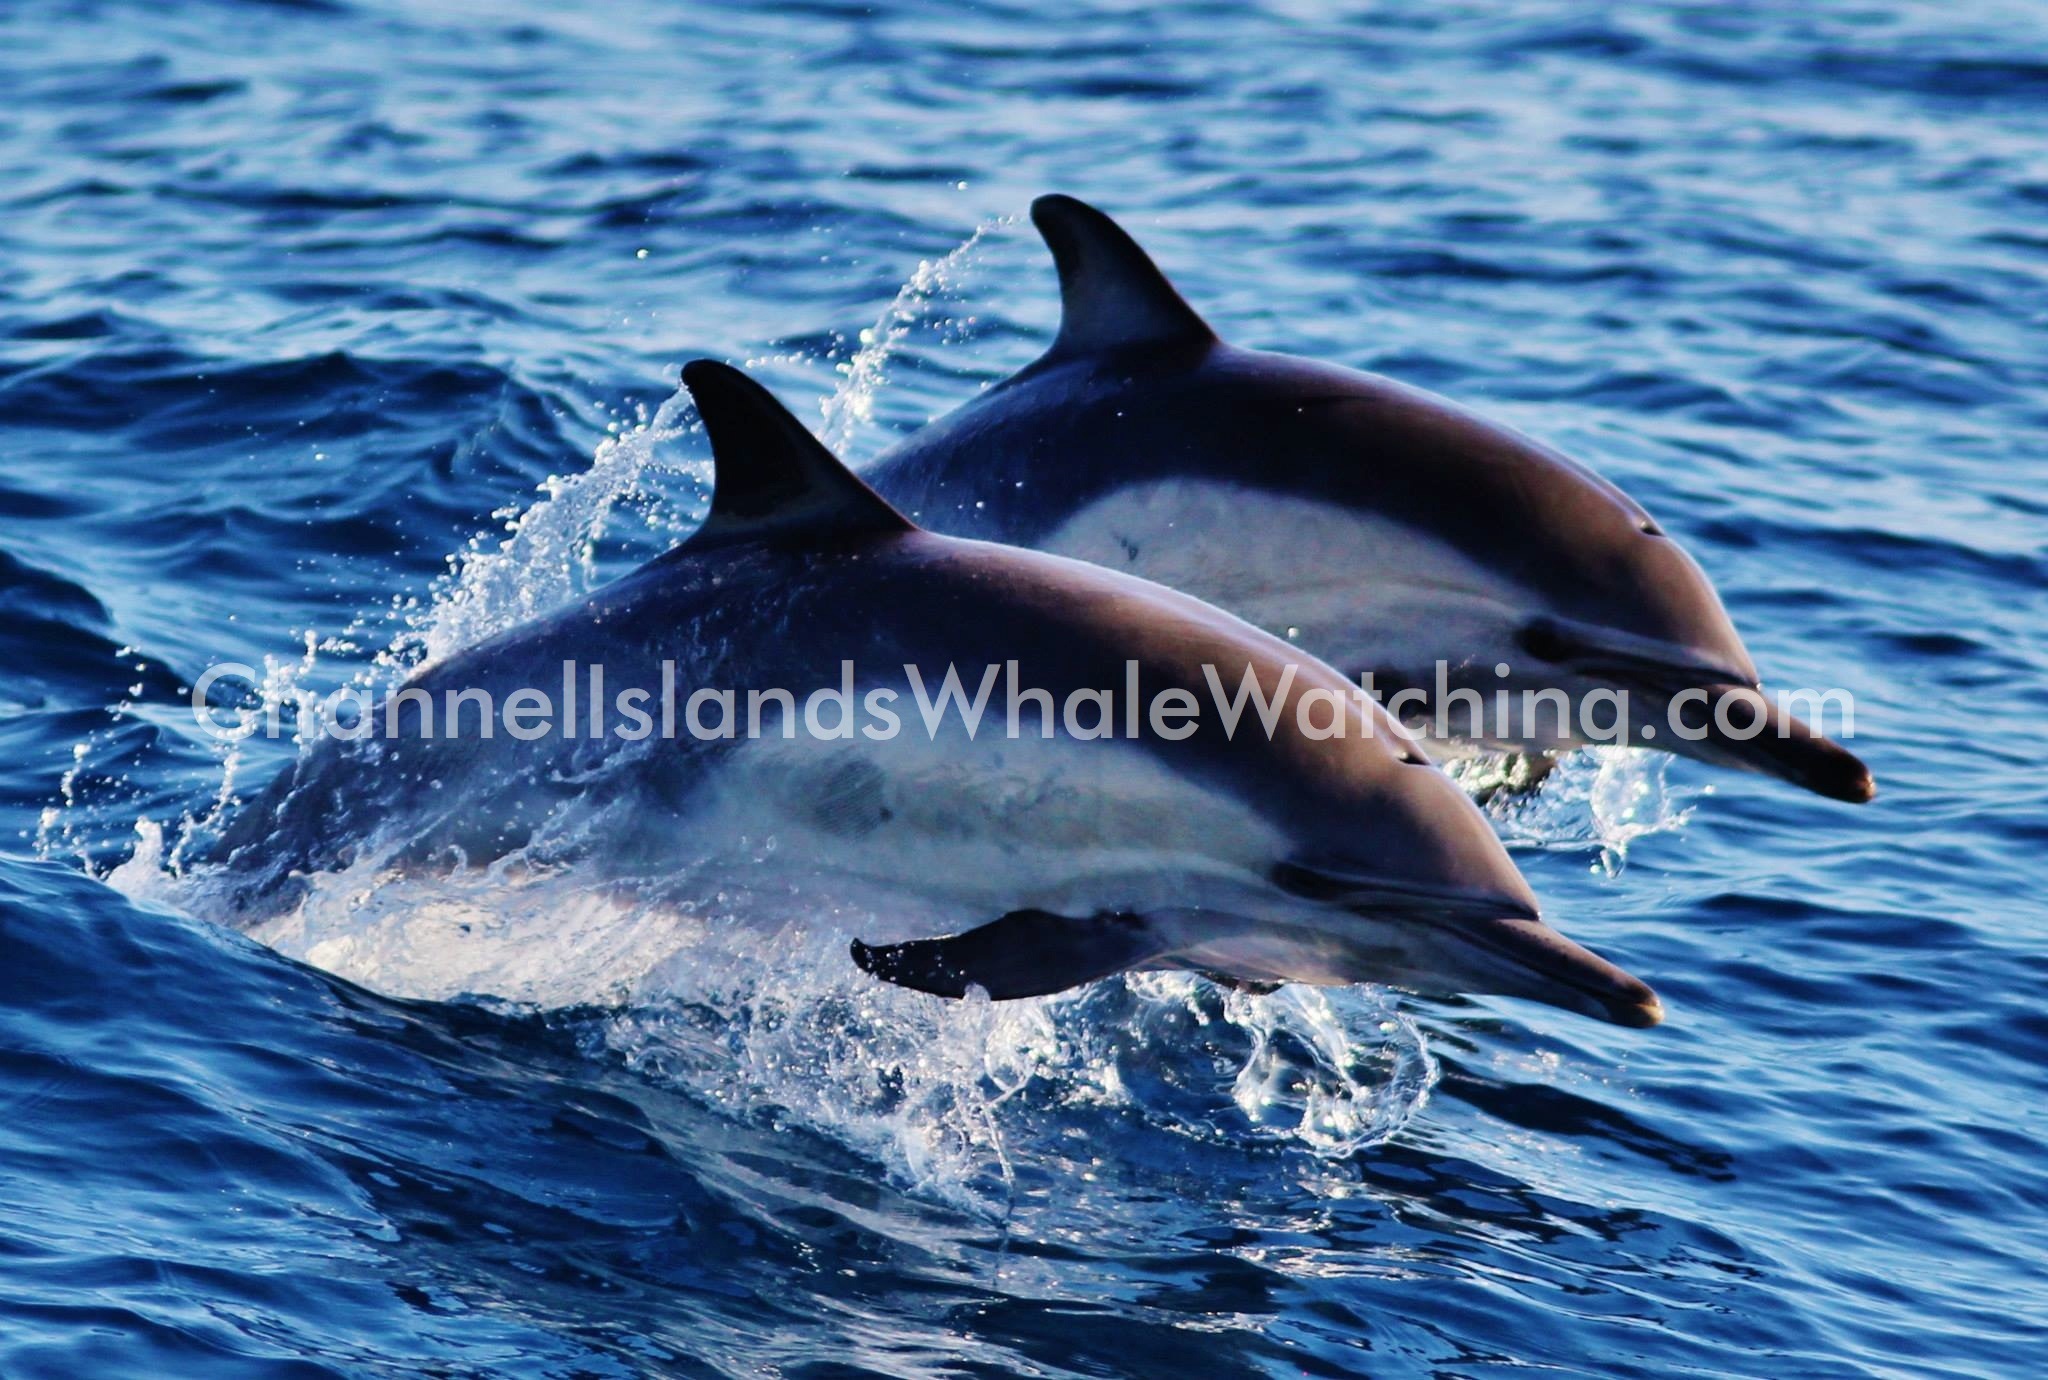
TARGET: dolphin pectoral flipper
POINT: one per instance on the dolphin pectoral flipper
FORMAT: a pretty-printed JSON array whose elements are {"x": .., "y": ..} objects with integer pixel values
[{"x": 1027, "y": 953}]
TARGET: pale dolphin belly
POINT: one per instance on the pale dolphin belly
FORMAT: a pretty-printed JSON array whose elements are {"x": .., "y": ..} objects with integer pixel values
[
  {"x": 983, "y": 827},
  {"x": 1369, "y": 594}
]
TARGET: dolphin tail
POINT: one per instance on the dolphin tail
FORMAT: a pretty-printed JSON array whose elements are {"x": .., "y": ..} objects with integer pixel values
[{"x": 1027, "y": 953}]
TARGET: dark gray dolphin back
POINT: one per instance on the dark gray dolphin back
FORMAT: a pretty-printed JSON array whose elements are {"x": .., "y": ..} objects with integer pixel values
[{"x": 1112, "y": 296}]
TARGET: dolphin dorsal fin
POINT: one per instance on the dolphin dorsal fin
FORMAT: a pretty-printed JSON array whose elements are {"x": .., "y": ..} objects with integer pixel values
[
  {"x": 1112, "y": 296},
  {"x": 771, "y": 477}
]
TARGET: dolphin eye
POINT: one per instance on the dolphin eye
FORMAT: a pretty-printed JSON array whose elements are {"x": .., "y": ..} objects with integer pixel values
[
  {"x": 1309, "y": 883},
  {"x": 1539, "y": 639},
  {"x": 1649, "y": 528}
]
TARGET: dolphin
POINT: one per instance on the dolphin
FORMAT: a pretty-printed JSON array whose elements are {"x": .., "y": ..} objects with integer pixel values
[
  {"x": 1385, "y": 528},
  {"x": 1048, "y": 855}
]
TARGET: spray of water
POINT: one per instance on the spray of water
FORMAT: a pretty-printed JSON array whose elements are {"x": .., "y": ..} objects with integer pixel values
[
  {"x": 1599, "y": 800},
  {"x": 546, "y": 553},
  {"x": 851, "y": 408}
]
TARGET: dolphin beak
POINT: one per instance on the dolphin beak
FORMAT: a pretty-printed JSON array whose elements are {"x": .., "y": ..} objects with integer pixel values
[
  {"x": 1475, "y": 941},
  {"x": 1783, "y": 745},
  {"x": 1452, "y": 946},
  {"x": 1529, "y": 959},
  {"x": 1780, "y": 745}
]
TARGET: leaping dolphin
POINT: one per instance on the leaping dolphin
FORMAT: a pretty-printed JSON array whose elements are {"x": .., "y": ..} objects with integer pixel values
[
  {"x": 1061, "y": 857},
  {"x": 1385, "y": 528}
]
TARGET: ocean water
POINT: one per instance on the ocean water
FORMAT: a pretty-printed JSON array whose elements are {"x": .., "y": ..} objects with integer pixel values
[{"x": 337, "y": 333}]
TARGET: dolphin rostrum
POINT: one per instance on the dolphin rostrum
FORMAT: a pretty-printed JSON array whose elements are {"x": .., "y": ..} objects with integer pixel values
[
  {"x": 1051, "y": 853},
  {"x": 1382, "y": 527}
]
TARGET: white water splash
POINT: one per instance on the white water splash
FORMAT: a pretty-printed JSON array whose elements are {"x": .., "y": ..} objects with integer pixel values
[
  {"x": 546, "y": 556},
  {"x": 713, "y": 990},
  {"x": 851, "y": 408},
  {"x": 56, "y": 833},
  {"x": 1598, "y": 799}
]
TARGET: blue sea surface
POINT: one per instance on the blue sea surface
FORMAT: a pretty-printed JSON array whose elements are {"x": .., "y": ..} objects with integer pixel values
[{"x": 334, "y": 333}]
